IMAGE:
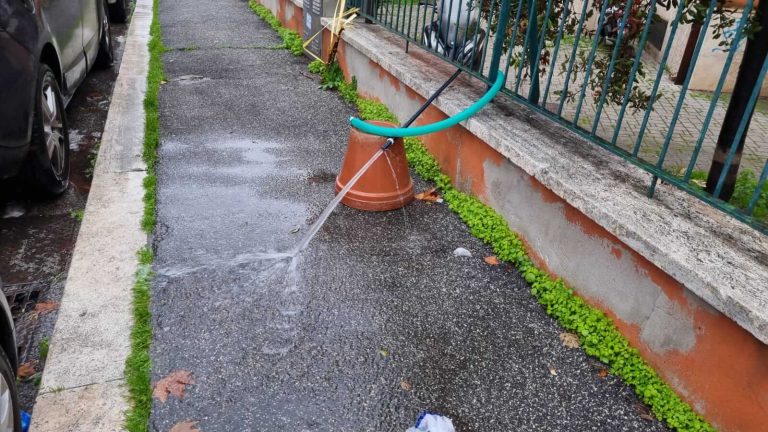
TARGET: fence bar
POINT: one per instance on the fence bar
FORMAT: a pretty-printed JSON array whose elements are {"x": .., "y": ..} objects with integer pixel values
[
  {"x": 488, "y": 33},
  {"x": 498, "y": 43},
  {"x": 633, "y": 72},
  {"x": 553, "y": 61},
  {"x": 511, "y": 49},
  {"x": 609, "y": 74},
  {"x": 683, "y": 91},
  {"x": 742, "y": 128},
  {"x": 572, "y": 61},
  {"x": 531, "y": 24},
  {"x": 590, "y": 61},
  {"x": 671, "y": 38},
  {"x": 533, "y": 91},
  {"x": 760, "y": 183},
  {"x": 716, "y": 95}
]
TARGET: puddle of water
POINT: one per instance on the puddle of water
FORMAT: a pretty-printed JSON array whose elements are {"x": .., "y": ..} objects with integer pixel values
[{"x": 190, "y": 79}]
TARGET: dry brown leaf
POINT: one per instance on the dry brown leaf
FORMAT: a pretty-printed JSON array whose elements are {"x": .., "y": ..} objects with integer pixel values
[
  {"x": 602, "y": 373},
  {"x": 405, "y": 385},
  {"x": 570, "y": 340},
  {"x": 26, "y": 370},
  {"x": 552, "y": 370},
  {"x": 46, "y": 306},
  {"x": 174, "y": 384},
  {"x": 491, "y": 260},
  {"x": 429, "y": 195},
  {"x": 185, "y": 426}
]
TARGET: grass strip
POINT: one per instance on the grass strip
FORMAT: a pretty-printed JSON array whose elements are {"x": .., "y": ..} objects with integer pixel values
[
  {"x": 137, "y": 365},
  {"x": 291, "y": 40}
]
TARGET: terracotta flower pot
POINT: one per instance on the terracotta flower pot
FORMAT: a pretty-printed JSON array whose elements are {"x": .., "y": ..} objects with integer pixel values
[{"x": 387, "y": 184}]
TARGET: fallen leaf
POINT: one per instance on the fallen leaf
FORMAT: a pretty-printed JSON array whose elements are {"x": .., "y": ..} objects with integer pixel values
[
  {"x": 174, "y": 384},
  {"x": 491, "y": 260},
  {"x": 46, "y": 306},
  {"x": 570, "y": 340},
  {"x": 647, "y": 417},
  {"x": 26, "y": 370},
  {"x": 602, "y": 373},
  {"x": 295, "y": 230},
  {"x": 553, "y": 371},
  {"x": 163, "y": 82},
  {"x": 383, "y": 352},
  {"x": 429, "y": 195},
  {"x": 185, "y": 426},
  {"x": 405, "y": 385}
]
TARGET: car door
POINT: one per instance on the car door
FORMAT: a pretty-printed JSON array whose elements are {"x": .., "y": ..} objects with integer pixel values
[
  {"x": 64, "y": 19},
  {"x": 91, "y": 28}
]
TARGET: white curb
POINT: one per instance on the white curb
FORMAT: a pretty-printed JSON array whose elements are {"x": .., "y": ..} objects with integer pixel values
[{"x": 83, "y": 382}]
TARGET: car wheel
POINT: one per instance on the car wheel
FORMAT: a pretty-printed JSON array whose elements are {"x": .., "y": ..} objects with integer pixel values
[
  {"x": 10, "y": 420},
  {"x": 49, "y": 159},
  {"x": 118, "y": 11},
  {"x": 106, "y": 56}
]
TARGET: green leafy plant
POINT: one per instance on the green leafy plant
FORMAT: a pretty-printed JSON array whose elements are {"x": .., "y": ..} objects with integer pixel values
[
  {"x": 316, "y": 66},
  {"x": 77, "y": 214},
  {"x": 332, "y": 77},
  {"x": 291, "y": 40}
]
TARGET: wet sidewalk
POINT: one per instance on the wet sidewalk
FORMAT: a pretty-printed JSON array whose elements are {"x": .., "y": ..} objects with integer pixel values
[{"x": 383, "y": 322}]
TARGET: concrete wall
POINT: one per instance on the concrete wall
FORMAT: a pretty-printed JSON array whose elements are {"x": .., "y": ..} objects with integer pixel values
[{"x": 711, "y": 361}]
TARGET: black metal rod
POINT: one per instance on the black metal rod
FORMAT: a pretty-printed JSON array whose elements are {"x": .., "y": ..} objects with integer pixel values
[
  {"x": 423, "y": 107},
  {"x": 746, "y": 80}
]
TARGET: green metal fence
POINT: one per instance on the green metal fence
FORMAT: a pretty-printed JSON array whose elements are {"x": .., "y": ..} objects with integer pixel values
[{"x": 626, "y": 75}]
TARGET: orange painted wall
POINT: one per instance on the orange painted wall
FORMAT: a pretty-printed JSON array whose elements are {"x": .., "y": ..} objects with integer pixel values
[
  {"x": 295, "y": 22},
  {"x": 725, "y": 374}
]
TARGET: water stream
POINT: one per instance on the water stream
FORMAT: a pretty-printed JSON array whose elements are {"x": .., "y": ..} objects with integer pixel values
[{"x": 279, "y": 274}]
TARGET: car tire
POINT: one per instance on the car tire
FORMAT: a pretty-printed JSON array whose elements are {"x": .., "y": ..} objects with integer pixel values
[
  {"x": 49, "y": 149},
  {"x": 8, "y": 395},
  {"x": 118, "y": 11},
  {"x": 106, "y": 57}
]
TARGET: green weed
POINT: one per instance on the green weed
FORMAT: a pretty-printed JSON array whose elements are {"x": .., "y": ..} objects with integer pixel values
[{"x": 42, "y": 349}]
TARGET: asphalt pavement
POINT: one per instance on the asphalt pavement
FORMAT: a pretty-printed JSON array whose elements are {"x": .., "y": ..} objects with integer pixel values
[{"x": 384, "y": 322}]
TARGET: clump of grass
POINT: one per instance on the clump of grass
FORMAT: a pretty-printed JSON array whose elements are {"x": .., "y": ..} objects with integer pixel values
[
  {"x": 42, "y": 349},
  {"x": 138, "y": 365},
  {"x": 77, "y": 214}
]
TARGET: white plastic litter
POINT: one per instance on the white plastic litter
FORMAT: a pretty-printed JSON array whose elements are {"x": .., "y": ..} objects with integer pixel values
[
  {"x": 432, "y": 423},
  {"x": 461, "y": 252}
]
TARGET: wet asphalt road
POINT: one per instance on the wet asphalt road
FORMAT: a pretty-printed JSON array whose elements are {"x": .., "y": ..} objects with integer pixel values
[
  {"x": 37, "y": 237},
  {"x": 384, "y": 321}
]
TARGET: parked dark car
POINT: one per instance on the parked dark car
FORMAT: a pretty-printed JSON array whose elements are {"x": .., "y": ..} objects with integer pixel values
[
  {"x": 10, "y": 416},
  {"x": 46, "y": 49}
]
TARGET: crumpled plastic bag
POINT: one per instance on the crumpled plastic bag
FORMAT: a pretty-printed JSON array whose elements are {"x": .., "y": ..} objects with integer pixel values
[{"x": 431, "y": 422}]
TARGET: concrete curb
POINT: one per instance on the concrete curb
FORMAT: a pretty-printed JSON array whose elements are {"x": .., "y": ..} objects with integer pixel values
[{"x": 82, "y": 386}]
